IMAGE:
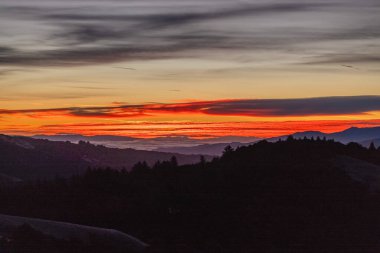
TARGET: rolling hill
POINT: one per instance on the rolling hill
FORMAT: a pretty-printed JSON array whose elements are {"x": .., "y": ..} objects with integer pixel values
[
  {"x": 23, "y": 230},
  {"x": 287, "y": 196},
  {"x": 363, "y": 136},
  {"x": 29, "y": 158},
  {"x": 215, "y": 149},
  {"x": 353, "y": 134}
]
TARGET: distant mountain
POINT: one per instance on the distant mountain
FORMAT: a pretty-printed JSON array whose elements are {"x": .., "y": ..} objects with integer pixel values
[
  {"x": 353, "y": 134},
  {"x": 362, "y": 136},
  {"x": 215, "y": 146},
  {"x": 78, "y": 137},
  {"x": 28, "y": 158},
  {"x": 231, "y": 139},
  {"x": 171, "y": 142},
  {"x": 205, "y": 149}
]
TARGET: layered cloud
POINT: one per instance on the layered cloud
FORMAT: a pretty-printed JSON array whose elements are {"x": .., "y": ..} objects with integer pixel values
[
  {"x": 72, "y": 33},
  {"x": 144, "y": 129},
  {"x": 298, "y": 107}
]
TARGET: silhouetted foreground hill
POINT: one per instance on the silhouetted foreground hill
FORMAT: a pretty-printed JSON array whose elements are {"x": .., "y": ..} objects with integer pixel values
[
  {"x": 290, "y": 196},
  {"x": 28, "y": 158},
  {"x": 21, "y": 234}
]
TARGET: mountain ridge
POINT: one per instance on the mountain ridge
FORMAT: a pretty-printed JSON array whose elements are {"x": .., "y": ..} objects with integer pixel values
[
  {"x": 28, "y": 158},
  {"x": 214, "y": 146}
]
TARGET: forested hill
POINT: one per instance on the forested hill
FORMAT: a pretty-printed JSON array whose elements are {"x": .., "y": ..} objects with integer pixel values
[
  {"x": 28, "y": 158},
  {"x": 289, "y": 196}
]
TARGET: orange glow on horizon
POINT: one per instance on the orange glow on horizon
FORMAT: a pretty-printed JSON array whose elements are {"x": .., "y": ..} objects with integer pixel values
[
  {"x": 198, "y": 119},
  {"x": 198, "y": 130}
]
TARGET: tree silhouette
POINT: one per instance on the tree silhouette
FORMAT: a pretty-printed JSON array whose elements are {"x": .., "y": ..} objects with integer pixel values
[
  {"x": 227, "y": 150},
  {"x": 202, "y": 161},
  {"x": 288, "y": 196},
  {"x": 290, "y": 138},
  {"x": 372, "y": 147},
  {"x": 173, "y": 161}
]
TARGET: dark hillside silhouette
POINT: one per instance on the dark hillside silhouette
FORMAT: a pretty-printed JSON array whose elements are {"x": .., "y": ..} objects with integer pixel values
[
  {"x": 288, "y": 196},
  {"x": 28, "y": 158}
]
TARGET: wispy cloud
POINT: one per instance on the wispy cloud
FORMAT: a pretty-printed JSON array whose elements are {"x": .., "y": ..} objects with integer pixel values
[
  {"x": 191, "y": 129},
  {"x": 86, "y": 87},
  {"x": 73, "y": 33},
  {"x": 354, "y": 105},
  {"x": 342, "y": 59}
]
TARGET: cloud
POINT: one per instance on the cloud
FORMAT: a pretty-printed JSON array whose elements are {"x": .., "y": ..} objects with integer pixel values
[
  {"x": 344, "y": 59},
  {"x": 165, "y": 20},
  {"x": 85, "y": 87},
  {"x": 192, "y": 129},
  {"x": 76, "y": 33},
  {"x": 351, "y": 105}
]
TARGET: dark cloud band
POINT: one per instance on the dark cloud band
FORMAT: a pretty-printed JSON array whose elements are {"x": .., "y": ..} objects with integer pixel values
[{"x": 354, "y": 105}]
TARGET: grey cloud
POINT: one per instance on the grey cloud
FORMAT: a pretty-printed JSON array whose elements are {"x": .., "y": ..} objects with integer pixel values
[
  {"x": 90, "y": 33},
  {"x": 88, "y": 56},
  {"x": 87, "y": 87},
  {"x": 344, "y": 59},
  {"x": 118, "y": 27},
  {"x": 299, "y": 107},
  {"x": 4, "y": 51},
  {"x": 245, "y": 107},
  {"x": 104, "y": 33},
  {"x": 175, "y": 19}
]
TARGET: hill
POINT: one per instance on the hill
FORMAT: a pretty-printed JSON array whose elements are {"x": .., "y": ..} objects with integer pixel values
[
  {"x": 353, "y": 134},
  {"x": 79, "y": 137},
  {"x": 28, "y": 158},
  {"x": 22, "y": 233},
  {"x": 215, "y": 146},
  {"x": 161, "y": 144},
  {"x": 363, "y": 136},
  {"x": 287, "y": 196},
  {"x": 215, "y": 149}
]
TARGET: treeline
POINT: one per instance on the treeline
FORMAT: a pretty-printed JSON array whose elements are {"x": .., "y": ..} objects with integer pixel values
[{"x": 287, "y": 196}]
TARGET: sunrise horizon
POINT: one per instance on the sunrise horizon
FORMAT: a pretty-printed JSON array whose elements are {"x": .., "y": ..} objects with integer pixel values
[{"x": 262, "y": 118}]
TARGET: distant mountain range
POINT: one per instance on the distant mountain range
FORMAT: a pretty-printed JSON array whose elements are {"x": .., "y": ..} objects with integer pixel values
[
  {"x": 213, "y": 146},
  {"x": 106, "y": 138},
  {"x": 215, "y": 149},
  {"x": 363, "y": 136},
  {"x": 28, "y": 158},
  {"x": 156, "y": 144},
  {"x": 79, "y": 137}
]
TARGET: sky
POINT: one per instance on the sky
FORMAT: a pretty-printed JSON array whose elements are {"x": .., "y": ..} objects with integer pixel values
[{"x": 197, "y": 68}]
